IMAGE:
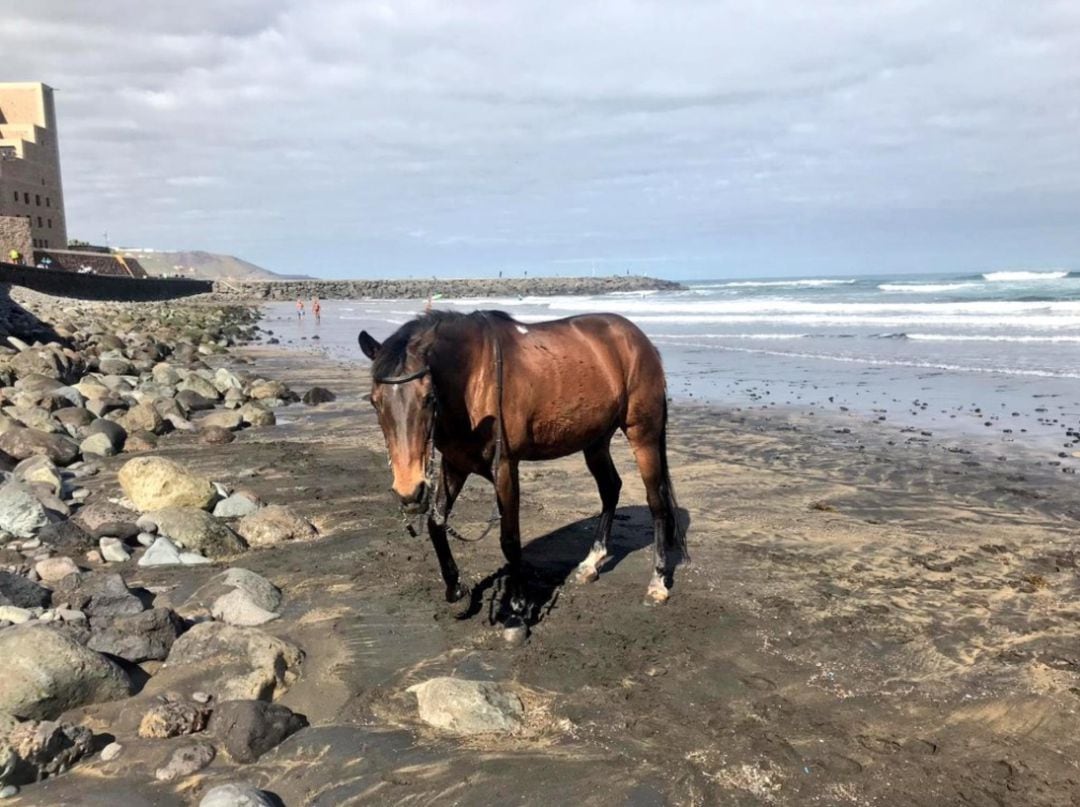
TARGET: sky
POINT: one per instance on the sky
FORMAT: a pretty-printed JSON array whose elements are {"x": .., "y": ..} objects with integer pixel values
[{"x": 677, "y": 138}]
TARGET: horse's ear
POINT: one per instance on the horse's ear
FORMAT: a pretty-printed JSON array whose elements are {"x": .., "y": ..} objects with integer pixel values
[{"x": 368, "y": 345}]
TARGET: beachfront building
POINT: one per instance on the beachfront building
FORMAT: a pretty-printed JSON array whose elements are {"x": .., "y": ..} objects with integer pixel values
[{"x": 30, "y": 187}]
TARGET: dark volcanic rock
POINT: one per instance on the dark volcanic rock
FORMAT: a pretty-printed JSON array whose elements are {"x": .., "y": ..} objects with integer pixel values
[
  {"x": 248, "y": 729},
  {"x": 318, "y": 395},
  {"x": 67, "y": 536},
  {"x": 18, "y": 591},
  {"x": 99, "y": 594},
  {"x": 139, "y": 637}
]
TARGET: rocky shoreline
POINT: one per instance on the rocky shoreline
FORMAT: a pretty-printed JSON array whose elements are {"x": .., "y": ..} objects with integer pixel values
[
  {"x": 83, "y": 382},
  {"x": 422, "y": 288}
]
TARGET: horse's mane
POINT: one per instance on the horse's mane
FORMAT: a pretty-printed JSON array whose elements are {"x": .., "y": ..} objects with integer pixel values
[{"x": 390, "y": 360}]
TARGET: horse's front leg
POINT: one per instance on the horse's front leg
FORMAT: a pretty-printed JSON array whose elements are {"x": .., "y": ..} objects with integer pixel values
[
  {"x": 451, "y": 484},
  {"x": 515, "y": 627}
]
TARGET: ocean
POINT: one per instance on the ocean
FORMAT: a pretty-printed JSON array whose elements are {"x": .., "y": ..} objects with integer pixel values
[{"x": 995, "y": 355}]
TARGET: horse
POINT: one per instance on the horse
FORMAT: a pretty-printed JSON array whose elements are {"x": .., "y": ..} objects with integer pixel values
[{"x": 488, "y": 392}]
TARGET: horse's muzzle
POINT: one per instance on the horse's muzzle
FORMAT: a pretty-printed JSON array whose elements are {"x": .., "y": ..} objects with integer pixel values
[{"x": 416, "y": 502}]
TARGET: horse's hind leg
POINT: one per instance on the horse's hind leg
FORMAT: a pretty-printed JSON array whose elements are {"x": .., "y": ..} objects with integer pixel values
[
  {"x": 648, "y": 445},
  {"x": 598, "y": 458}
]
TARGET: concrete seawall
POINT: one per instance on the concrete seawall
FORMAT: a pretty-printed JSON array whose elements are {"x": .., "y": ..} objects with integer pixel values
[
  {"x": 101, "y": 287},
  {"x": 419, "y": 289}
]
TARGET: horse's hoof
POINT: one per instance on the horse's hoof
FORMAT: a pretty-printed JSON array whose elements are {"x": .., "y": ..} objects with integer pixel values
[
  {"x": 515, "y": 636},
  {"x": 456, "y": 593},
  {"x": 657, "y": 594},
  {"x": 586, "y": 574}
]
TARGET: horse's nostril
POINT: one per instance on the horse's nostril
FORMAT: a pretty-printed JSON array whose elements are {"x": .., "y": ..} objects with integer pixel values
[{"x": 417, "y": 495}]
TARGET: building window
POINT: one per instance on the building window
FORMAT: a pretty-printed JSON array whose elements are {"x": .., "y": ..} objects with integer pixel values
[
  {"x": 39, "y": 224},
  {"x": 48, "y": 202},
  {"x": 46, "y": 243},
  {"x": 26, "y": 197},
  {"x": 37, "y": 199},
  {"x": 49, "y": 222}
]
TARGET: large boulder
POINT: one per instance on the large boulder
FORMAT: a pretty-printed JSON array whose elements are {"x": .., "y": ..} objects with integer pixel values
[
  {"x": 200, "y": 386},
  {"x": 142, "y": 418},
  {"x": 243, "y": 663},
  {"x": 247, "y": 729},
  {"x": 138, "y": 637},
  {"x": 40, "y": 470},
  {"x": 21, "y": 592},
  {"x": 318, "y": 395},
  {"x": 225, "y": 418},
  {"x": 21, "y": 443},
  {"x": 155, "y": 482},
  {"x": 256, "y": 414},
  {"x": 195, "y": 529},
  {"x": 21, "y": 514},
  {"x": 190, "y": 401},
  {"x": 46, "y": 673},
  {"x": 464, "y": 707},
  {"x": 274, "y": 524},
  {"x": 103, "y": 437}
]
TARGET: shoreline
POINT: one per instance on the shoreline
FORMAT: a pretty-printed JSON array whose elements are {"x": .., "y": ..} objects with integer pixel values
[{"x": 863, "y": 623}]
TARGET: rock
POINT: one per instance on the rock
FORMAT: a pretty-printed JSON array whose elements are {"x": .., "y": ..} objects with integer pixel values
[
  {"x": 274, "y": 524},
  {"x": 9, "y": 791},
  {"x": 21, "y": 514},
  {"x": 194, "y": 559},
  {"x": 197, "y": 530},
  {"x": 115, "y": 365},
  {"x": 225, "y": 380},
  {"x": 185, "y": 761},
  {"x": 246, "y": 663},
  {"x": 15, "y": 615},
  {"x": 318, "y": 395},
  {"x": 237, "y": 505},
  {"x": 115, "y": 432},
  {"x": 467, "y": 707},
  {"x": 98, "y": 445},
  {"x": 98, "y": 594},
  {"x": 146, "y": 524},
  {"x": 103, "y": 406},
  {"x": 74, "y": 420},
  {"x": 162, "y": 552},
  {"x": 238, "y": 608},
  {"x": 165, "y": 373},
  {"x": 215, "y": 436},
  {"x": 255, "y": 414},
  {"x": 225, "y": 418},
  {"x": 140, "y": 441},
  {"x": 113, "y": 550},
  {"x": 39, "y": 470},
  {"x": 141, "y": 637},
  {"x": 22, "y": 593},
  {"x": 236, "y": 795},
  {"x": 155, "y": 482},
  {"x": 52, "y": 569},
  {"x": 190, "y": 401},
  {"x": 66, "y": 536},
  {"x": 173, "y": 719},
  {"x": 21, "y": 443},
  {"x": 248, "y": 729},
  {"x": 200, "y": 386},
  {"x": 46, "y": 748},
  {"x": 265, "y": 390},
  {"x": 46, "y": 673},
  {"x": 143, "y": 418},
  {"x": 111, "y": 751},
  {"x": 105, "y": 518}
]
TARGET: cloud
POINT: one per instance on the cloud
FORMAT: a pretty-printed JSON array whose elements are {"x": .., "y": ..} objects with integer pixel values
[{"x": 689, "y": 136}]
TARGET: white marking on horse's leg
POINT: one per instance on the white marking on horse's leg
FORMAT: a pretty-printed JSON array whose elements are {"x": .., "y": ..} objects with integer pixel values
[
  {"x": 657, "y": 593},
  {"x": 589, "y": 569}
]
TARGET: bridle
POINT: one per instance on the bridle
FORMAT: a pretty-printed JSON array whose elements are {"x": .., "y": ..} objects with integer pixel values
[{"x": 434, "y": 479}]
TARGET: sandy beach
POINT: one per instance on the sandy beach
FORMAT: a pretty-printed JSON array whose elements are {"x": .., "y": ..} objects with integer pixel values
[{"x": 866, "y": 621}]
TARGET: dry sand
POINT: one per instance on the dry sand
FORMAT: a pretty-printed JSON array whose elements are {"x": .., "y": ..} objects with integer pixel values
[{"x": 862, "y": 623}]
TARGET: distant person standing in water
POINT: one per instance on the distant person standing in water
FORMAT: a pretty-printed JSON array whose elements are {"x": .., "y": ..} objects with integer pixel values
[
  {"x": 299, "y": 309},
  {"x": 316, "y": 309}
]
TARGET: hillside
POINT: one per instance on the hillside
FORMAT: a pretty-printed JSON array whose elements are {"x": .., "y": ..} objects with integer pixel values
[{"x": 198, "y": 264}]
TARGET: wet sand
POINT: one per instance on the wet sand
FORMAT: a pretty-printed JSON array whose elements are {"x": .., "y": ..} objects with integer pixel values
[{"x": 866, "y": 620}]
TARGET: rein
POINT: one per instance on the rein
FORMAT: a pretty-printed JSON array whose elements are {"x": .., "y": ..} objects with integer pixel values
[{"x": 434, "y": 479}]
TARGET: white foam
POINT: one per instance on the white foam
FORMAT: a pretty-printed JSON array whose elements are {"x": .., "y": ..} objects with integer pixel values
[
  {"x": 1024, "y": 275},
  {"x": 986, "y": 337},
  {"x": 753, "y": 284}
]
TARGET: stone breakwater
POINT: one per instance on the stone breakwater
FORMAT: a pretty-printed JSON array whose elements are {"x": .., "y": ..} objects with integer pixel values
[{"x": 419, "y": 289}]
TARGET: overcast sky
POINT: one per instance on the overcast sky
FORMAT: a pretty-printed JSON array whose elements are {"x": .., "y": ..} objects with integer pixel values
[{"x": 678, "y": 138}]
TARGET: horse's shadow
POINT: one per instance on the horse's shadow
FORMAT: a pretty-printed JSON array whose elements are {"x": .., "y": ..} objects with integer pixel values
[{"x": 551, "y": 559}]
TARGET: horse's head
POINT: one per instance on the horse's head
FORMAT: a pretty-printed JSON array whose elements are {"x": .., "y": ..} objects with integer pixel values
[{"x": 405, "y": 402}]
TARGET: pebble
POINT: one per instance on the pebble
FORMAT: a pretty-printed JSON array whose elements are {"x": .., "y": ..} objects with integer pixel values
[
  {"x": 113, "y": 550},
  {"x": 201, "y": 697},
  {"x": 111, "y": 751},
  {"x": 8, "y": 792},
  {"x": 146, "y": 538},
  {"x": 15, "y": 615}
]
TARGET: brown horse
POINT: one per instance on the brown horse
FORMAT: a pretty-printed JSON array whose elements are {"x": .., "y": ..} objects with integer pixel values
[{"x": 488, "y": 392}]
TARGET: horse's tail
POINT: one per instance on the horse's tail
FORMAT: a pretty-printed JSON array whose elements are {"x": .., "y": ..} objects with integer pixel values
[{"x": 676, "y": 534}]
